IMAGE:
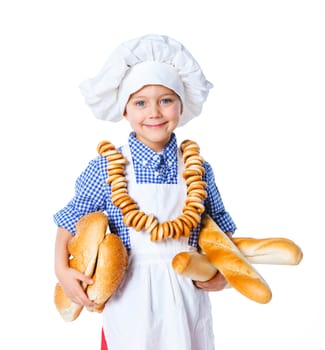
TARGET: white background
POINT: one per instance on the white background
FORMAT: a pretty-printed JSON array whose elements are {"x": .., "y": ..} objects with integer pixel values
[{"x": 260, "y": 129}]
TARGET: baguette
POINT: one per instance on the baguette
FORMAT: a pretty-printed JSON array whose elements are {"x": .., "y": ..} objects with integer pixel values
[
  {"x": 112, "y": 259},
  {"x": 194, "y": 265},
  {"x": 83, "y": 247},
  {"x": 272, "y": 251},
  {"x": 233, "y": 265},
  {"x": 91, "y": 250},
  {"x": 68, "y": 310}
]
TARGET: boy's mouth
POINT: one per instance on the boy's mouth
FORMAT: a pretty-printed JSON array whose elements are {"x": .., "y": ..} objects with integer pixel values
[{"x": 153, "y": 126}]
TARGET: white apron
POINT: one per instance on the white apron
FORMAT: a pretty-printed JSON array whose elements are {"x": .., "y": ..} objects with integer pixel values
[{"x": 154, "y": 308}]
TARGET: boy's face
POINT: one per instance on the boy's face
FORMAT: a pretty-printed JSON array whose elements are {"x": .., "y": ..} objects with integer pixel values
[{"x": 154, "y": 113}]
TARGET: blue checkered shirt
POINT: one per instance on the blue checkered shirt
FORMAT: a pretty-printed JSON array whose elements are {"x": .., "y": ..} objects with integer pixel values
[{"x": 92, "y": 193}]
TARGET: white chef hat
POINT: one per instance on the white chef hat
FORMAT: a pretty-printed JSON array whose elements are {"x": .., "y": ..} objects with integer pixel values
[{"x": 147, "y": 60}]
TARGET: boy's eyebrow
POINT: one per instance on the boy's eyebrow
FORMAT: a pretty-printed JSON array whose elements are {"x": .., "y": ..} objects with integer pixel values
[
  {"x": 137, "y": 96},
  {"x": 160, "y": 96}
]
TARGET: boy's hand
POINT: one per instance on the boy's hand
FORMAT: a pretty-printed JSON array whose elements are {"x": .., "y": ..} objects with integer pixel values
[
  {"x": 216, "y": 283},
  {"x": 73, "y": 283}
]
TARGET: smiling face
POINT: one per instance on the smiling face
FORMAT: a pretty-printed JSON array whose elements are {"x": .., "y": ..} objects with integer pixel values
[{"x": 153, "y": 113}]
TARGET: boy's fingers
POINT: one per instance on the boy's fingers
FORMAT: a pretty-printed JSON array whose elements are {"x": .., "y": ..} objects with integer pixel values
[
  {"x": 84, "y": 279},
  {"x": 87, "y": 280}
]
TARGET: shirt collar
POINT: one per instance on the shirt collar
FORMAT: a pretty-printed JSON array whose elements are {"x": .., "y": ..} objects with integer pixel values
[{"x": 145, "y": 156}]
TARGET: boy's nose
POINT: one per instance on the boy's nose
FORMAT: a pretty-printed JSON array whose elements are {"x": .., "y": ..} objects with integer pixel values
[{"x": 155, "y": 111}]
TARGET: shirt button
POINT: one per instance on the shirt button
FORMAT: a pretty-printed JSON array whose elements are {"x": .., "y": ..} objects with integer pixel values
[{"x": 156, "y": 173}]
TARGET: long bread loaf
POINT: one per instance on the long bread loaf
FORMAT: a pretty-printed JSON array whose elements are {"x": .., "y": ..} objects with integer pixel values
[
  {"x": 271, "y": 251},
  {"x": 233, "y": 265},
  {"x": 98, "y": 255}
]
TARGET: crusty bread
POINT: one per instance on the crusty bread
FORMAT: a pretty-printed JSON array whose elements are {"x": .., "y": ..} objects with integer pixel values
[
  {"x": 111, "y": 264},
  {"x": 95, "y": 254},
  {"x": 194, "y": 265},
  {"x": 272, "y": 251},
  {"x": 233, "y": 265},
  {"x": 68, "y": 310},
  {"x": 83, "y": 247}
]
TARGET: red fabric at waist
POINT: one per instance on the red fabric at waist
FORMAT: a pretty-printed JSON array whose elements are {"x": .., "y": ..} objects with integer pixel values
[{"x": 104, "y": 344}]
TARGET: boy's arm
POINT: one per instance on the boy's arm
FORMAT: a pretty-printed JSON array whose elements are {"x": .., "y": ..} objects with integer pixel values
[{"x": 70, "y": 279}]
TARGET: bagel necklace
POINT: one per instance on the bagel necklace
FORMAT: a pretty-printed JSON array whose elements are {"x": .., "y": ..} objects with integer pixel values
[{"x": 133, "y": 217}]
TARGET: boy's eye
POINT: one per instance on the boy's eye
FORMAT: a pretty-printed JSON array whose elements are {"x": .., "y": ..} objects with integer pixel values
[
  {"x": 139, "y": 103},
  {"x": 166, "y": 100}
]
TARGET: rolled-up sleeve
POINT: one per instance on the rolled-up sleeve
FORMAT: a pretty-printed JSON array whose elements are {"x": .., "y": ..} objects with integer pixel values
[{"x": 90, "y": 196}]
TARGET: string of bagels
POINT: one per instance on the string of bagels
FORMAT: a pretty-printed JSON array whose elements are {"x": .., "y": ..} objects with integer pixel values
[{"x": 101, "y": 255}]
